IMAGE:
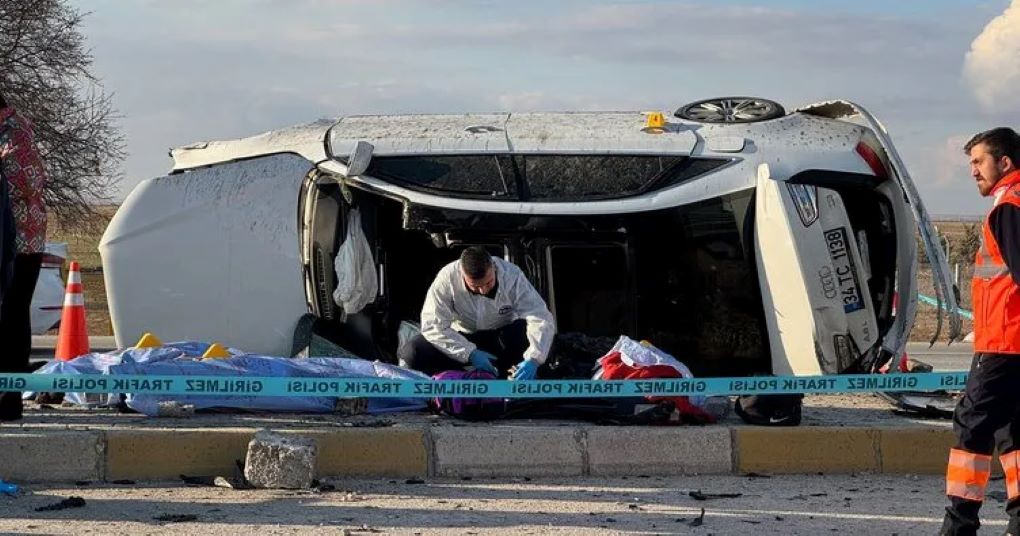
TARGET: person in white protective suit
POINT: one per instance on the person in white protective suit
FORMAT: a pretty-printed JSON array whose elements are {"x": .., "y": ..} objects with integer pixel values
[{"x": 483, "y": 312}]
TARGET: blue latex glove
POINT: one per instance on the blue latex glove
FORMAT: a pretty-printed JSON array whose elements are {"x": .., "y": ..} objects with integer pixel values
[
  {"x": 526, "y": 370},
  {"x": 482, "y": 360}
]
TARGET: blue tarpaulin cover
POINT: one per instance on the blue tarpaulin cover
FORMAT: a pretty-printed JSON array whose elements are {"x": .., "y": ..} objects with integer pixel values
[{"x": 182, "y": 359}]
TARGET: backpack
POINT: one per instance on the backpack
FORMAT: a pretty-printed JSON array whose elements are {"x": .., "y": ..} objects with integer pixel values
[
  {"x": 470, "y": 409},
  {"x": 770, "y": 410}
]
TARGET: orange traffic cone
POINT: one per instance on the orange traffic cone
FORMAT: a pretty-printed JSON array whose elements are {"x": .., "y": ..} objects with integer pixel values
[{"x": 73, "y": 340}]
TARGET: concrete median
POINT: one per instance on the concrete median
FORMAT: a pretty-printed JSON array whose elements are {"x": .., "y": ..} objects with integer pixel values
[{"x": 52, "y": 455}]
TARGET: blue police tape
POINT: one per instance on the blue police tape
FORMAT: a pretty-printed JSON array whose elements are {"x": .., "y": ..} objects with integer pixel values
[
  {"x": 935, "y": 303},
  {"x": 383, "y": 388}
]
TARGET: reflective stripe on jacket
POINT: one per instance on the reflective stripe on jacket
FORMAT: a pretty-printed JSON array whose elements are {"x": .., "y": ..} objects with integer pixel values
[{"x": 996, "y": 295}]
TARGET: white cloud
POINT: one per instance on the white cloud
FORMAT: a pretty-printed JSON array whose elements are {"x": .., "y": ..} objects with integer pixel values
[
  {"x": 240, "y": 67},
  {"x": 950, "y": 161},
  {"x": 700, "y": 33},
  {"x": 992, "y": 67}
]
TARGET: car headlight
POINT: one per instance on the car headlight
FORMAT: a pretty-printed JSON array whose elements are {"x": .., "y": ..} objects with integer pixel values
[{"x": 805, "y": 198}]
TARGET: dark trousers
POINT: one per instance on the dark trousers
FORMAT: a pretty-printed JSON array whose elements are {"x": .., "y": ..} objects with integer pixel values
[
  {"x": 987, "y": 418},
  {"x": 16, "y": 327},
  {"x": 507, "y": 344}
]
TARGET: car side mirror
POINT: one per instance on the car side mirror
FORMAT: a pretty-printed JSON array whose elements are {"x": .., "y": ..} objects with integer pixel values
[{"x": 360, "y": 158}]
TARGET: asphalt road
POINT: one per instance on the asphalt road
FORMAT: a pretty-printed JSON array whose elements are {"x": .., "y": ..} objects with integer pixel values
[
  {"x": 795, "y": 505},
  {"x": 941, "y": 356}
]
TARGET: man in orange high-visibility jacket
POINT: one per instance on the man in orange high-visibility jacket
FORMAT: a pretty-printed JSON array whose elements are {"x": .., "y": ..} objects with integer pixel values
[{"x": 988, "y": 415}]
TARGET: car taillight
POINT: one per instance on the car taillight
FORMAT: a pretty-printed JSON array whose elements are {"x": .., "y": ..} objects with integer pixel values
[
  {"x": 52, "y": 261},
  {"x": 874, "y": 162}
]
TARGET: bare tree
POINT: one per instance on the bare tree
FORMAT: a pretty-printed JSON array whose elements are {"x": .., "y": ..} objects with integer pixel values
[{"x": 45, "y": 73}]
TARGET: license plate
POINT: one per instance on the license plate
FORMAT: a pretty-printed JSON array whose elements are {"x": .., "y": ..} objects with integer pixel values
[{"x": 846, "y": 272}]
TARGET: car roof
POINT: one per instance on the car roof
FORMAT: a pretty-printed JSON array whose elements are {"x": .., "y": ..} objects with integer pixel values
[
  {"x": 558, "y": 132},
  {"x": 561, "y": 132},
  {"x": 582, "y": 132}
]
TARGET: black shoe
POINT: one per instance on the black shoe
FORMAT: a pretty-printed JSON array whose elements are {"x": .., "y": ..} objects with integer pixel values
[{"x": 10, "y": 407}]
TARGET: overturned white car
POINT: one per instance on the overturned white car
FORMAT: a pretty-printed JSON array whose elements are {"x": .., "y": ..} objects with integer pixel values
[{"x": 740, "y": 238}]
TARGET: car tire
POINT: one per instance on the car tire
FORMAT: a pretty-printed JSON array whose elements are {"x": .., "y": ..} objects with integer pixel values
[{"x": 731, "y": 110}]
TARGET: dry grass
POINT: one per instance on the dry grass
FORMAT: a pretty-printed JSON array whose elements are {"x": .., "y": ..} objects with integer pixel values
[
  {"x": 924, "y": 325},
  {"x": 82, "y": 239}
]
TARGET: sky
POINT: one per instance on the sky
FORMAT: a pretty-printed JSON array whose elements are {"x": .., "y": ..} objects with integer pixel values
[{"x": 933, "y": 71}]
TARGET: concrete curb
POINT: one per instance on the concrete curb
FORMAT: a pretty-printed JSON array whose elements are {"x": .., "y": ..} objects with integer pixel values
[{"x": 496, "y": 451}]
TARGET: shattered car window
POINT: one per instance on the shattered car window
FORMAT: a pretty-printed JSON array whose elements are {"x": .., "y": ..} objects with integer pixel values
[
  {"x": 567, "y": 177},
  {"x": 477, "y": 175}
]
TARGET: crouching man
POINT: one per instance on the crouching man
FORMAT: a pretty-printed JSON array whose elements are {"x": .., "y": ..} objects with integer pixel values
[{"x": 481, "y": 311}]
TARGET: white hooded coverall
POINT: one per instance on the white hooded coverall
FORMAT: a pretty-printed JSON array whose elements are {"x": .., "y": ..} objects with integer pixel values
[{"x": 451, "y": 309}]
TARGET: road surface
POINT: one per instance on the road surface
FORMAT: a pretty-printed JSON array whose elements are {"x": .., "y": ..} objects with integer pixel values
[
  {"x": 805, "y": 505},
  {"x": 941, "y": 356}
]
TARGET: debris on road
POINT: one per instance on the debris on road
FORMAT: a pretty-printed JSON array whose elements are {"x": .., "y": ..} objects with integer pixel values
[
  {"x": 363, "y": 528},
  {"x": 349, "y": 407},
  {"x": 173, "y": 408},
  {"x": 699, "y": 496},
  {"x": 70, "y": 502},
  {"x": 698, "y": 521},
  {"x": 236, "y": 482},
  {"x": 176, "y": 518},
  {"x": 6, "y": 488},
  {"x": 216, "y": 481}
]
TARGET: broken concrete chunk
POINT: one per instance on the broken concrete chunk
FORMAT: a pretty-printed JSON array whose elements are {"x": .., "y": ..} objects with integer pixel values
[{"x": 280, "y": 461}]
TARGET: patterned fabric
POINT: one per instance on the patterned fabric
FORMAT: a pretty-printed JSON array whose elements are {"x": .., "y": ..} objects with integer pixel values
[{"x": 26, "y": 179}]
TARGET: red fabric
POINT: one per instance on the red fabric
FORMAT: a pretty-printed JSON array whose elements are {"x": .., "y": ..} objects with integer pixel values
[
  {"x": 613, "y": 368},
  {"x": 26, "y": 179},
  {"x": 996, "y": 295}
]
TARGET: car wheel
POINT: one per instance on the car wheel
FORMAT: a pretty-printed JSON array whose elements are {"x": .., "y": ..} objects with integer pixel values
[{"x": 731, "y": 110}]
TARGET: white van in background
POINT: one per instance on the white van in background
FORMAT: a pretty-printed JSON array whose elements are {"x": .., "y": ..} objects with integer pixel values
[{"x": 740, "y": 238}]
